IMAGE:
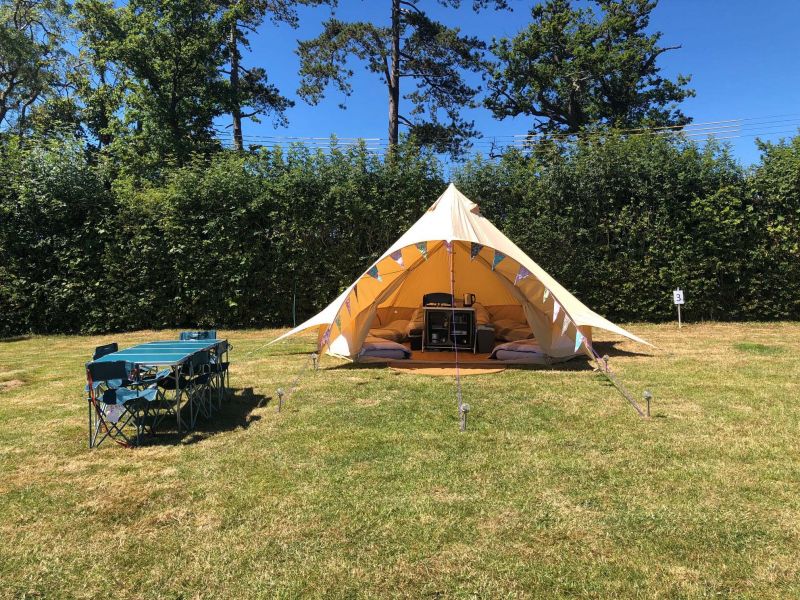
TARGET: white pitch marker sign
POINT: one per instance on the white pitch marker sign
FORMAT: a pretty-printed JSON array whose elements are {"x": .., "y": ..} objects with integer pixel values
[{"x": 677, "y": 299}]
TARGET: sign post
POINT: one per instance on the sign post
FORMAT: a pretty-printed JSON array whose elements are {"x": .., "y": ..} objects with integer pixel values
[{"x": 677, "y": 299}]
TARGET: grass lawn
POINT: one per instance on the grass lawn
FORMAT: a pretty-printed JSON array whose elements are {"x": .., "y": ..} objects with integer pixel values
[{"x": 363, "y": 485}]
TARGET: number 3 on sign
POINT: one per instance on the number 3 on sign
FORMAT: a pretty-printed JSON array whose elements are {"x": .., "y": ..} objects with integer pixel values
[{"x": 677, "y": 298}]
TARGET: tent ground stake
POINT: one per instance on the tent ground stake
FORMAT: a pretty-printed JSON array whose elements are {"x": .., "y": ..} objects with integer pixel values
[
  {"x": 463, "y": 414},
  {"x": 280, "y": 400},
  {"x": 315, "y": 360},
  {"x": 605, "y": 362},
  {"x": 647, "y": 397}
]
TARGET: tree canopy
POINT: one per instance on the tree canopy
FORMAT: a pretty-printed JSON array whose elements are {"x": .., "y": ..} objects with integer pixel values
[
  {"x": 411, "y": 46},
  {"x": 577, "y": 67}
]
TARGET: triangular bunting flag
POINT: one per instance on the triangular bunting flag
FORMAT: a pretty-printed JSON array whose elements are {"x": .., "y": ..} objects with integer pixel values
[
  {"x": 546, "y": 295},
  {"x": 578, "y": 340},
  {"x": 325, "y": 338},
  {"x": 397, "y": 256},
  {"x": 355, "y": 291},
  {"x": 498, "y": 257},
  {"x": 449, "y": 246},
  {"x": 338, "y": 321},
  {"x": 373, "y": 272},
  {"x": 347, "y": 306},
  {"x": 565, "y": 326},
  {"x": 474, "y": 250},
  {"x": 556, "y": 310},
  {"x": 521, "y": 274},
  {"x": 423, "y": 249}
]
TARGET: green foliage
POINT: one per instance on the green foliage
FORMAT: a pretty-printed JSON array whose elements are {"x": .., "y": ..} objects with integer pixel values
[
  {"x": 621, "y": 222},
  {"x": 412, "y": 47},
  {"x": 573, "y": 68},
  {"x": 31, "y": 56},
  {"x": 236, "y": 239},
  {"x": 224, "y": 241}
]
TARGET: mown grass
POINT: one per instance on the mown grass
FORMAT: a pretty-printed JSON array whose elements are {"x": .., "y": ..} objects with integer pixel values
[{"x": 363, "y": 485}]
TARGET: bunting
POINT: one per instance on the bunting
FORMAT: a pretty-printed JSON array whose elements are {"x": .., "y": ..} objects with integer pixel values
[
  {"x": 498, "y": 257},
  {"x": 578, "y": 340},
  {"x": 338, "y": 321},
  {"x": 373, "y": 272},
  {"x": 474, "y": 250},
  {"x": 449, "y": 246},
  {"x": 556, "y": 310},
  {"x": 347, "y": 306},
  {"x": 546, "y": 295},
  {"x": 423, "y": 249},
  {"x": 355, "y": 291},
  {"x": 325, "y": 338},
  {"x": 397, "y": 256},
  {"x": 521, "y": 274},
  {"x": 565, "y": 326}
]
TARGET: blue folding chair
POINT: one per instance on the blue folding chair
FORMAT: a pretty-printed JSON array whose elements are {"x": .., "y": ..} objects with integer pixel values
[
  {"x": 219, "y": 371},
  {"x": 210, "y": 334},
  {"x": 117, "y": 410}
]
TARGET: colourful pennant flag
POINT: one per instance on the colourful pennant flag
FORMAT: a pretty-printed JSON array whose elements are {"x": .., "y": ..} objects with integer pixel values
[
  {"x": 474, "y": 250},
  {"x": 347, "y": 306},
  {"x": 449, "y": 246},
  {"x": 565, "y": 326},
  {"x": 546, "y": 295},
  {"x": 373, "y": 272},
  {"x": 423, "y": 249},
  {"x": 397, "y": 256},
  {"x": 325, "y": 338},
  {"x": 498, "y": 257},
  {"x": 355, "y": 291},
  {"x": 578, "y": 340},
  {"x": 521, "y": 274},
  {"x": 338, "y": 321},
  {"x": 556, "y": 310}
]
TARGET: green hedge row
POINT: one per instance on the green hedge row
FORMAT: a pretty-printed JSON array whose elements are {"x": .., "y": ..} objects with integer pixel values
[{"x": 264, "y": 239}]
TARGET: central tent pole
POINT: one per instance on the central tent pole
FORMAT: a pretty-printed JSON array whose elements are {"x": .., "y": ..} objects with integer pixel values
[{"x": 451, "y": 251}]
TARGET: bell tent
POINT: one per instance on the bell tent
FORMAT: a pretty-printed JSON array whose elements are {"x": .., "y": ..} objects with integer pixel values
[{"x": 453, "y": 249}]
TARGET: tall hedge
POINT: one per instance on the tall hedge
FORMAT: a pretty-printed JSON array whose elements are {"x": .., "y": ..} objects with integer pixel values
[{"x": 261, "y": 239}]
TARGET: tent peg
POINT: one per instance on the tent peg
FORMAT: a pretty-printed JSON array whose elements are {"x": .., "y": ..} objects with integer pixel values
[
  {"x": 315, "y": 360},
  {"x": 280, "y": 399},
  {"x": 463, "y": 414},
  {"x": 605, "y": 362},
  {"x": 648, "y": 395}
]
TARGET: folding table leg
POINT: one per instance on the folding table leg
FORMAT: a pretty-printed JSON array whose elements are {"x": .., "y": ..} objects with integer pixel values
[{"x": 178, "y": 397}]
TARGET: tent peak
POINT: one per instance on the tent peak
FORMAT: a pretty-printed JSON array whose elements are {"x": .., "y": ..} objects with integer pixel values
[{"x": 453, "y": 200}]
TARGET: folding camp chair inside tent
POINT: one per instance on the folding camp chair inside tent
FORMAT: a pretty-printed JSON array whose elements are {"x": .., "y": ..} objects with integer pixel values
[{"x": 453, "y": 248}]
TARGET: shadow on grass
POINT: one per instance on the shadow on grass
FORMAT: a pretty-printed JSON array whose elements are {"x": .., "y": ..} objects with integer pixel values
[
  {"x": 610, "y": 349},
  {"x": 576, "y": 364},
  {"x": 14, "y": 338},
  {"x": 235, "y": 413}
]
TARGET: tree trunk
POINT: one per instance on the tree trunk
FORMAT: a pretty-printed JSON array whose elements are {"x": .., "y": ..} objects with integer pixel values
[
  {"x": 394, "y": 77},
  {"x": 236, "y": 112}
]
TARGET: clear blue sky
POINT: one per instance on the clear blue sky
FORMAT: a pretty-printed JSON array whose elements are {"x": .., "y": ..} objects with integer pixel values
[{"x": 743, "y": 55}]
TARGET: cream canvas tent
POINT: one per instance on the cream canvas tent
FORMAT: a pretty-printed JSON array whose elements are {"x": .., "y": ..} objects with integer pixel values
[{"x": 453, "y": 248}]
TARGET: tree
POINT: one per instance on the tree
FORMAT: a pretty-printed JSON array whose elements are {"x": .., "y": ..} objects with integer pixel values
[
  {"x": 31, "y": 55},
  {"x": 573, "y": 68},
  {"x": 251, "y": 95},
  {"x": 170, "y": 53},
  {"x": 413, "y": 47}
]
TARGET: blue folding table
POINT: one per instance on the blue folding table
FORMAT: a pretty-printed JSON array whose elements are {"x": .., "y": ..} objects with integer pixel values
[{"x": 172, "y": 353}]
